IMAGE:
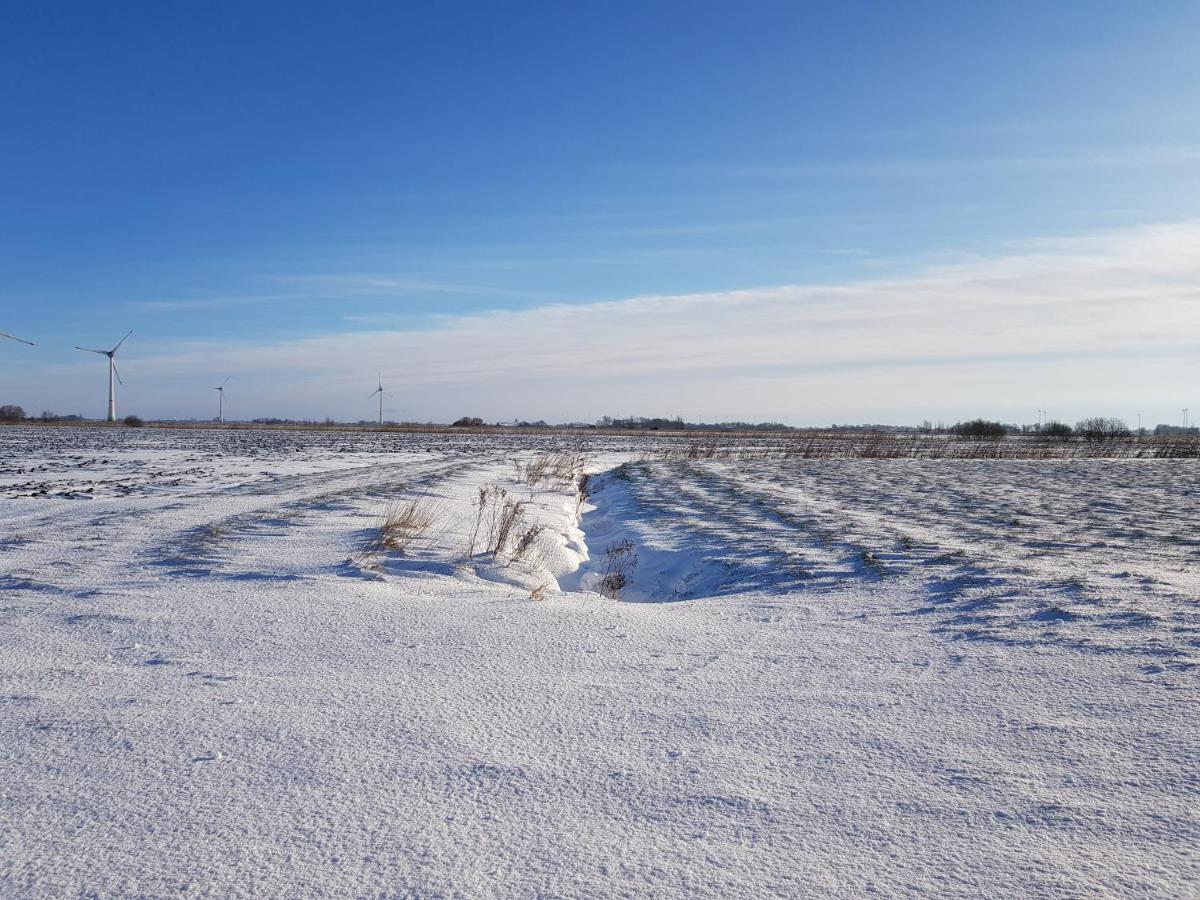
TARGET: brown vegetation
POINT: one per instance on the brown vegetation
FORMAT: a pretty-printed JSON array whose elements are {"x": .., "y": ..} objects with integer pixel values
[
  {"x": 402, "y": 524},
  {"x": 620, "y": 559}
]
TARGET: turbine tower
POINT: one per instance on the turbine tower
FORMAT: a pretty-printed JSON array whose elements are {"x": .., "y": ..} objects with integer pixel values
[
  {"x": 113, "y": 375},
  {"x": 13, "y": 337},
  {"x": 379, "y": 391},
  {"x": 221, "y": 405}
]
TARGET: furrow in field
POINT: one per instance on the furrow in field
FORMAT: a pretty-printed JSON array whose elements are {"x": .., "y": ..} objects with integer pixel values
[{"x": 984, "y": 555}]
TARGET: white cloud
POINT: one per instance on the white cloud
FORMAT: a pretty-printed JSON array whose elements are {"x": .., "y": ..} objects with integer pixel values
[{"x": 1106, "y": 323}]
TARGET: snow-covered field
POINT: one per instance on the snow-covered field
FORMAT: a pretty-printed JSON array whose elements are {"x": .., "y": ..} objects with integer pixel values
[{"x": 820, "y": 677}]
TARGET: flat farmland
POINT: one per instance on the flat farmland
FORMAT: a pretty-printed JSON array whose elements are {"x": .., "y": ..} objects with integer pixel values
[{"x": 254, "y": 663}]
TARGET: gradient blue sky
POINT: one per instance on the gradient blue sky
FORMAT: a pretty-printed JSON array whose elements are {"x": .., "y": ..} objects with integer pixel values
[{"x": 283, "y": 179}]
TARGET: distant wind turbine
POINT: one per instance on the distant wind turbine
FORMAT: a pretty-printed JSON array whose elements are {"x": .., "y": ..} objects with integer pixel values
[
  {"x": 221, "y": 406},
  {"x": 113, "y": 375},
  {"x": 379, "y": 391},
  {"x": 13, "y": 337}
]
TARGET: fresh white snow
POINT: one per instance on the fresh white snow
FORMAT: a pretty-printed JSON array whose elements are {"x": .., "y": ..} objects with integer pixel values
[{"x": 823, "y": 677}]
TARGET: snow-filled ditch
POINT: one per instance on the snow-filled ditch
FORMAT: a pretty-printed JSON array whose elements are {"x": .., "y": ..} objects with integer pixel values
[
  {"x": 632, "y": 556},
  {"x": 506, "y": 523},
  {"x": 587, "y": 532}
]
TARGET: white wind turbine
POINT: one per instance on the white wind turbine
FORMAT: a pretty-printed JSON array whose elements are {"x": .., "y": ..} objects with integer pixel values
[
  {"x": 221, "y": 406},
  {"x": 13, "y": 337},
  {"x": 113, "y": 374},
  {"x": 379, "y": 391}
]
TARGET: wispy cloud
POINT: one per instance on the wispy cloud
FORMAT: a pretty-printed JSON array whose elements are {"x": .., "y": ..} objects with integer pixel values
[
  {"x": 979, "y": 165},
  {"x": 1091, "y": 322},
  {"x": 375, "y": 284},
  {"x": 334, "y": 288},
  {"x": 217, "y": 301}
]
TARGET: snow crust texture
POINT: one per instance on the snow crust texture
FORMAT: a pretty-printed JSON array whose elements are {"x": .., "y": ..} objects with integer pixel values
[{"x": 821, "y": 678}]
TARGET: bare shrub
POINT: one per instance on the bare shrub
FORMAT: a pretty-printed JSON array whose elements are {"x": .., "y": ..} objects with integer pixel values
[
  {"x": 539, "y": 592},
  {"x": 979, "y": 430},
  {"x": 1060, "y": 431},
  {"x": 1098, "y": 429},
  {"x": 620, "y": 559}
]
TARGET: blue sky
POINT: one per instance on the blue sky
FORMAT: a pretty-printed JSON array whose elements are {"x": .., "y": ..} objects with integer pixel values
[{"x": 267, "y": 176}]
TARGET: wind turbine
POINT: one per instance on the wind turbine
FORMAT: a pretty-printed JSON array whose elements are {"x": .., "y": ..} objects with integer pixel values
[
  {"x": 112, "y": 374},
  {"x": 221, "y": 407},
  {"x": 379, "y": 391},
  {"x": 13, "y": 337}
]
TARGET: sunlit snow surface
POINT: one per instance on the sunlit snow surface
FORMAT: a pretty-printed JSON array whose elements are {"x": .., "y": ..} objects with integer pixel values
[{"x": 827, "y": 677}]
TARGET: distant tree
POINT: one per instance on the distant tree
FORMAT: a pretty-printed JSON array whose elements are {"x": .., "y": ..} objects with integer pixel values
[
  {"x": 133, "y": 422},
  {"x": 1176, "y": 431},
  {"x": 468, "y": 422},
  {"x": 11, "y": 413},
  {"x": 979, "y": 430},
  {"x": 1060, "y": 431},
  {"x": 1099, "y": 428}
]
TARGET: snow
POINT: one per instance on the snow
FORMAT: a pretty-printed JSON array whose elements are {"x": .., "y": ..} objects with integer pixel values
[{"x": 832, "y": 677}]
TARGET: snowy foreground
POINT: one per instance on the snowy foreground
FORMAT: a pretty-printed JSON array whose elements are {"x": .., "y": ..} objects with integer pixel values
[{"x": 952, "y": 678}]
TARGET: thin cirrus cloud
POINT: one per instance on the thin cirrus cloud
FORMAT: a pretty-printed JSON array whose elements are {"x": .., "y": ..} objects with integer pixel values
[
  {"x": 1123, "y": 158},
  {"x": 1100, "y": 323},
  {"x": 323, "y": 288}
]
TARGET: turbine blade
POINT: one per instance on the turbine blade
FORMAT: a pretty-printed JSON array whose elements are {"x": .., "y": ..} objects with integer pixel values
[
  {"x": 116, "y": 371},
  {"x": 13, "y": 337},
  {"x": 120, "y": 342},
  {"x": 373, "y": 393},
  {"x": 225, "y": 382},
  {"x": 90, "y": 350}
]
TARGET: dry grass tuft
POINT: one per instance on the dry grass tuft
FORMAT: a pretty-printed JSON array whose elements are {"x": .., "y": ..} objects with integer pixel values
[
  {"x": 526, "y": 541},
  {"x": 402, "y": 524},
  {"x": 1115, "y": 444},
  {"x": 556, "y": 469},
  {"x": 497, "y": 528},
  {"x": 507, "y": 516},
  {"x": 582, "y": 492}
]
